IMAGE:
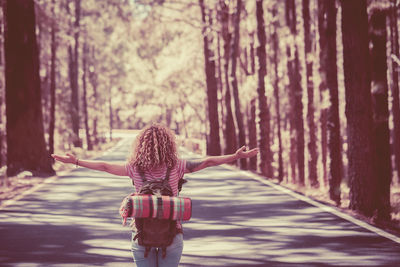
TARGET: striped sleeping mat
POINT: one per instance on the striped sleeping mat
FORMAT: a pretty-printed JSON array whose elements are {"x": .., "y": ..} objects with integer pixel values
[{"x": 149, "y": 206}]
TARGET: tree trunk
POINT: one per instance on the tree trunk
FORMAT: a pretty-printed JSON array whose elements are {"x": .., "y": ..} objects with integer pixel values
[
  {"x": 297, "y": 124},
  {"x": 312, "y": 148},
  {"x": 94, "y": 82},
  {"x": 220, "y": 88},
  {"x": 323, "y": 68},
  {"x": 2, "y": 116},
  {"x": 85, "y": 106},
  {"x": 234, "y": 54},
  {"x": 26, "y": 147},
  {"x": 298, "y": 112},
  {"x": 252, "y": 133},
  {"x": 213, "y": 145},
  {"x": 252, "y": 55},
  {"x": 52, "y": 81},
  {"x": 327, "y": 29},
  {"x": 264, "y": 141},
  {"x": 358, "y": 106},
  {"x": 230, "y": 129},
  {"x": 74, "y": 73},
  {"x": 380, "y": 110},
  {"x": 395, "y": 90},
  {"x": 277, "y": 98}
]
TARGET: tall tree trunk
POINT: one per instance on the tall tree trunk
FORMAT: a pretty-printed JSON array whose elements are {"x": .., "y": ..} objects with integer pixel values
[
  {"x": 327, "y": 27},
  {"x": 297, "y": 92},
  {"x": 395, "y": 89},
  {"x": 252, "y": 133},
  {"x": 298, "y": 112},
  {"x": 26, "y": 147},
  {"x": 220, "y": 89},
  {"x": 252, "y": 55},
  {"x": 230, "y": 129},
  {"x": 85, "y": 106},
  {"x": 380, "y": 110},
  {"x": 312, "y": 148},
  {"x": 323, "y": 87},
  {"x": 52, "y": 80},
  {"x": 74, "y": 75},
  {"x": 358, "y": 106},
  {"x": 213, "y": 144},
  {"x": 2, "y": 87},
  {"x": 333, "y": 122},
  {"x": 264, "y": 141},
  {"x": 234, "y": 54},
  {"x": 94, "y": 82},
  {"x": 275, "y": 44}
]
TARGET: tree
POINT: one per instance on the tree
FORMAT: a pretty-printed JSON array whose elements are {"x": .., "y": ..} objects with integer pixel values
[
  {"x": 251, "y": 122},
  {"x": 395, "y": 87},
  {"x": 26, "y": 147},
  {"x": 312, "y": 148},
  {"x": 275, "y": 43},
  {"x": 73, "y": 53},
  {"x": 327, "y": 13},
  {"x": 230, "y": 129},
  {"x": 234, "y": 55},
  {"x": 52, "y": 80},
  {"x": 264, "y": 115},
  {"x": 213, "y": 144},
  {"x": 296, "y": 92},
  {"x": 358, "y": 106},
  {"x": 382, "y": 157},
  {"x": 85, "y": 52}
]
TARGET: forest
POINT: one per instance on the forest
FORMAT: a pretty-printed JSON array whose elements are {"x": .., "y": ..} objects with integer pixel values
[{"x": 313, "y": 83}]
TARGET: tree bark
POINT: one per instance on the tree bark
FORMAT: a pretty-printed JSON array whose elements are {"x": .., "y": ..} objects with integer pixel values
[
  {"x": 2, "y": 94},
  {"x": 327, "y": 20},
  {"x": 52, "y": 81},
  {"x": 358, "y": 106},
  {"x": 26, "y": 147},
  {"x": 85, "y": 106},
  {"x": 395, "y": 90},
  {"x": 312, "y": 148},
  {"x": 252, "y": 133},
  {"x": 94, "y": 82},
  {"x": 213, "y": 144},
  {"x": 275, "y": 44},
  {"x": 264, "y": 115},
  {"x": 235, "y": 89},
  {"x": 323, "y": 68},
  {"x": 230, "y": 129},
  {"x": 74, "y": 75},
  {"x": 297, "y": 124},
  {"x": 380, "y": 110}
]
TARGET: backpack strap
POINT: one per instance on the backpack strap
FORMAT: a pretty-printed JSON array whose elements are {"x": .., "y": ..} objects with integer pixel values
[
  {"x": 167, "y": 174},
  {"x": 143, "y": 176}
]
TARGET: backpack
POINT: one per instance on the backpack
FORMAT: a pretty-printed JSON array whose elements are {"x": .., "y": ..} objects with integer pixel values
[{"x": 153, "y": 232}]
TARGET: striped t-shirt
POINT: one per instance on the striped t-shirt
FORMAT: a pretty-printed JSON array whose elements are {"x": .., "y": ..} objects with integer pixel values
[{"x": 158, "y": 174}]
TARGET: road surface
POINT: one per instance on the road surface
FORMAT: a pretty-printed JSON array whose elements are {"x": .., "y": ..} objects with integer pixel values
[{"x": 237, "y": 221}]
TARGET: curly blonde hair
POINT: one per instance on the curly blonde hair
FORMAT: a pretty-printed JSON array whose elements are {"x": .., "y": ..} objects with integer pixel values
[{"x": 154, "y": 147}]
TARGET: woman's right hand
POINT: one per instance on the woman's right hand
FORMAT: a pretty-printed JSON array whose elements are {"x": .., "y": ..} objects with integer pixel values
[{"x": 68, "y": 158}]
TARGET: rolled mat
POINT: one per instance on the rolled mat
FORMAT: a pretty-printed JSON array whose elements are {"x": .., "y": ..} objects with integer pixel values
[{"x": 149, "y": 206}]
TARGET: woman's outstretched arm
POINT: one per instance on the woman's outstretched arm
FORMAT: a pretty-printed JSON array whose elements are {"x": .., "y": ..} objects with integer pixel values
[
  {"x": 113, "y": 168},
  {"x": 197, "y": 165}
]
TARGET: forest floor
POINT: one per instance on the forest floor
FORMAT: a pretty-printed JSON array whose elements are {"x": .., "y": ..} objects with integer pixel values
[{"x": 12, "y": 187}]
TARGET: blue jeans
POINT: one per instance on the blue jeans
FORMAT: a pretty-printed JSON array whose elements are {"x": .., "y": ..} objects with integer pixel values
[{"x": 154, "y": 259}]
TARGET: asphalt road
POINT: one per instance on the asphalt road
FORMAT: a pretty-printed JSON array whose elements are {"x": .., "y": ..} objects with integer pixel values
[{"x": 237, "y": 221}]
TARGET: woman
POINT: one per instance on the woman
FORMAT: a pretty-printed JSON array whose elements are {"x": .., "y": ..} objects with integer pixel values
[{"x": 154, "y": 151}]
